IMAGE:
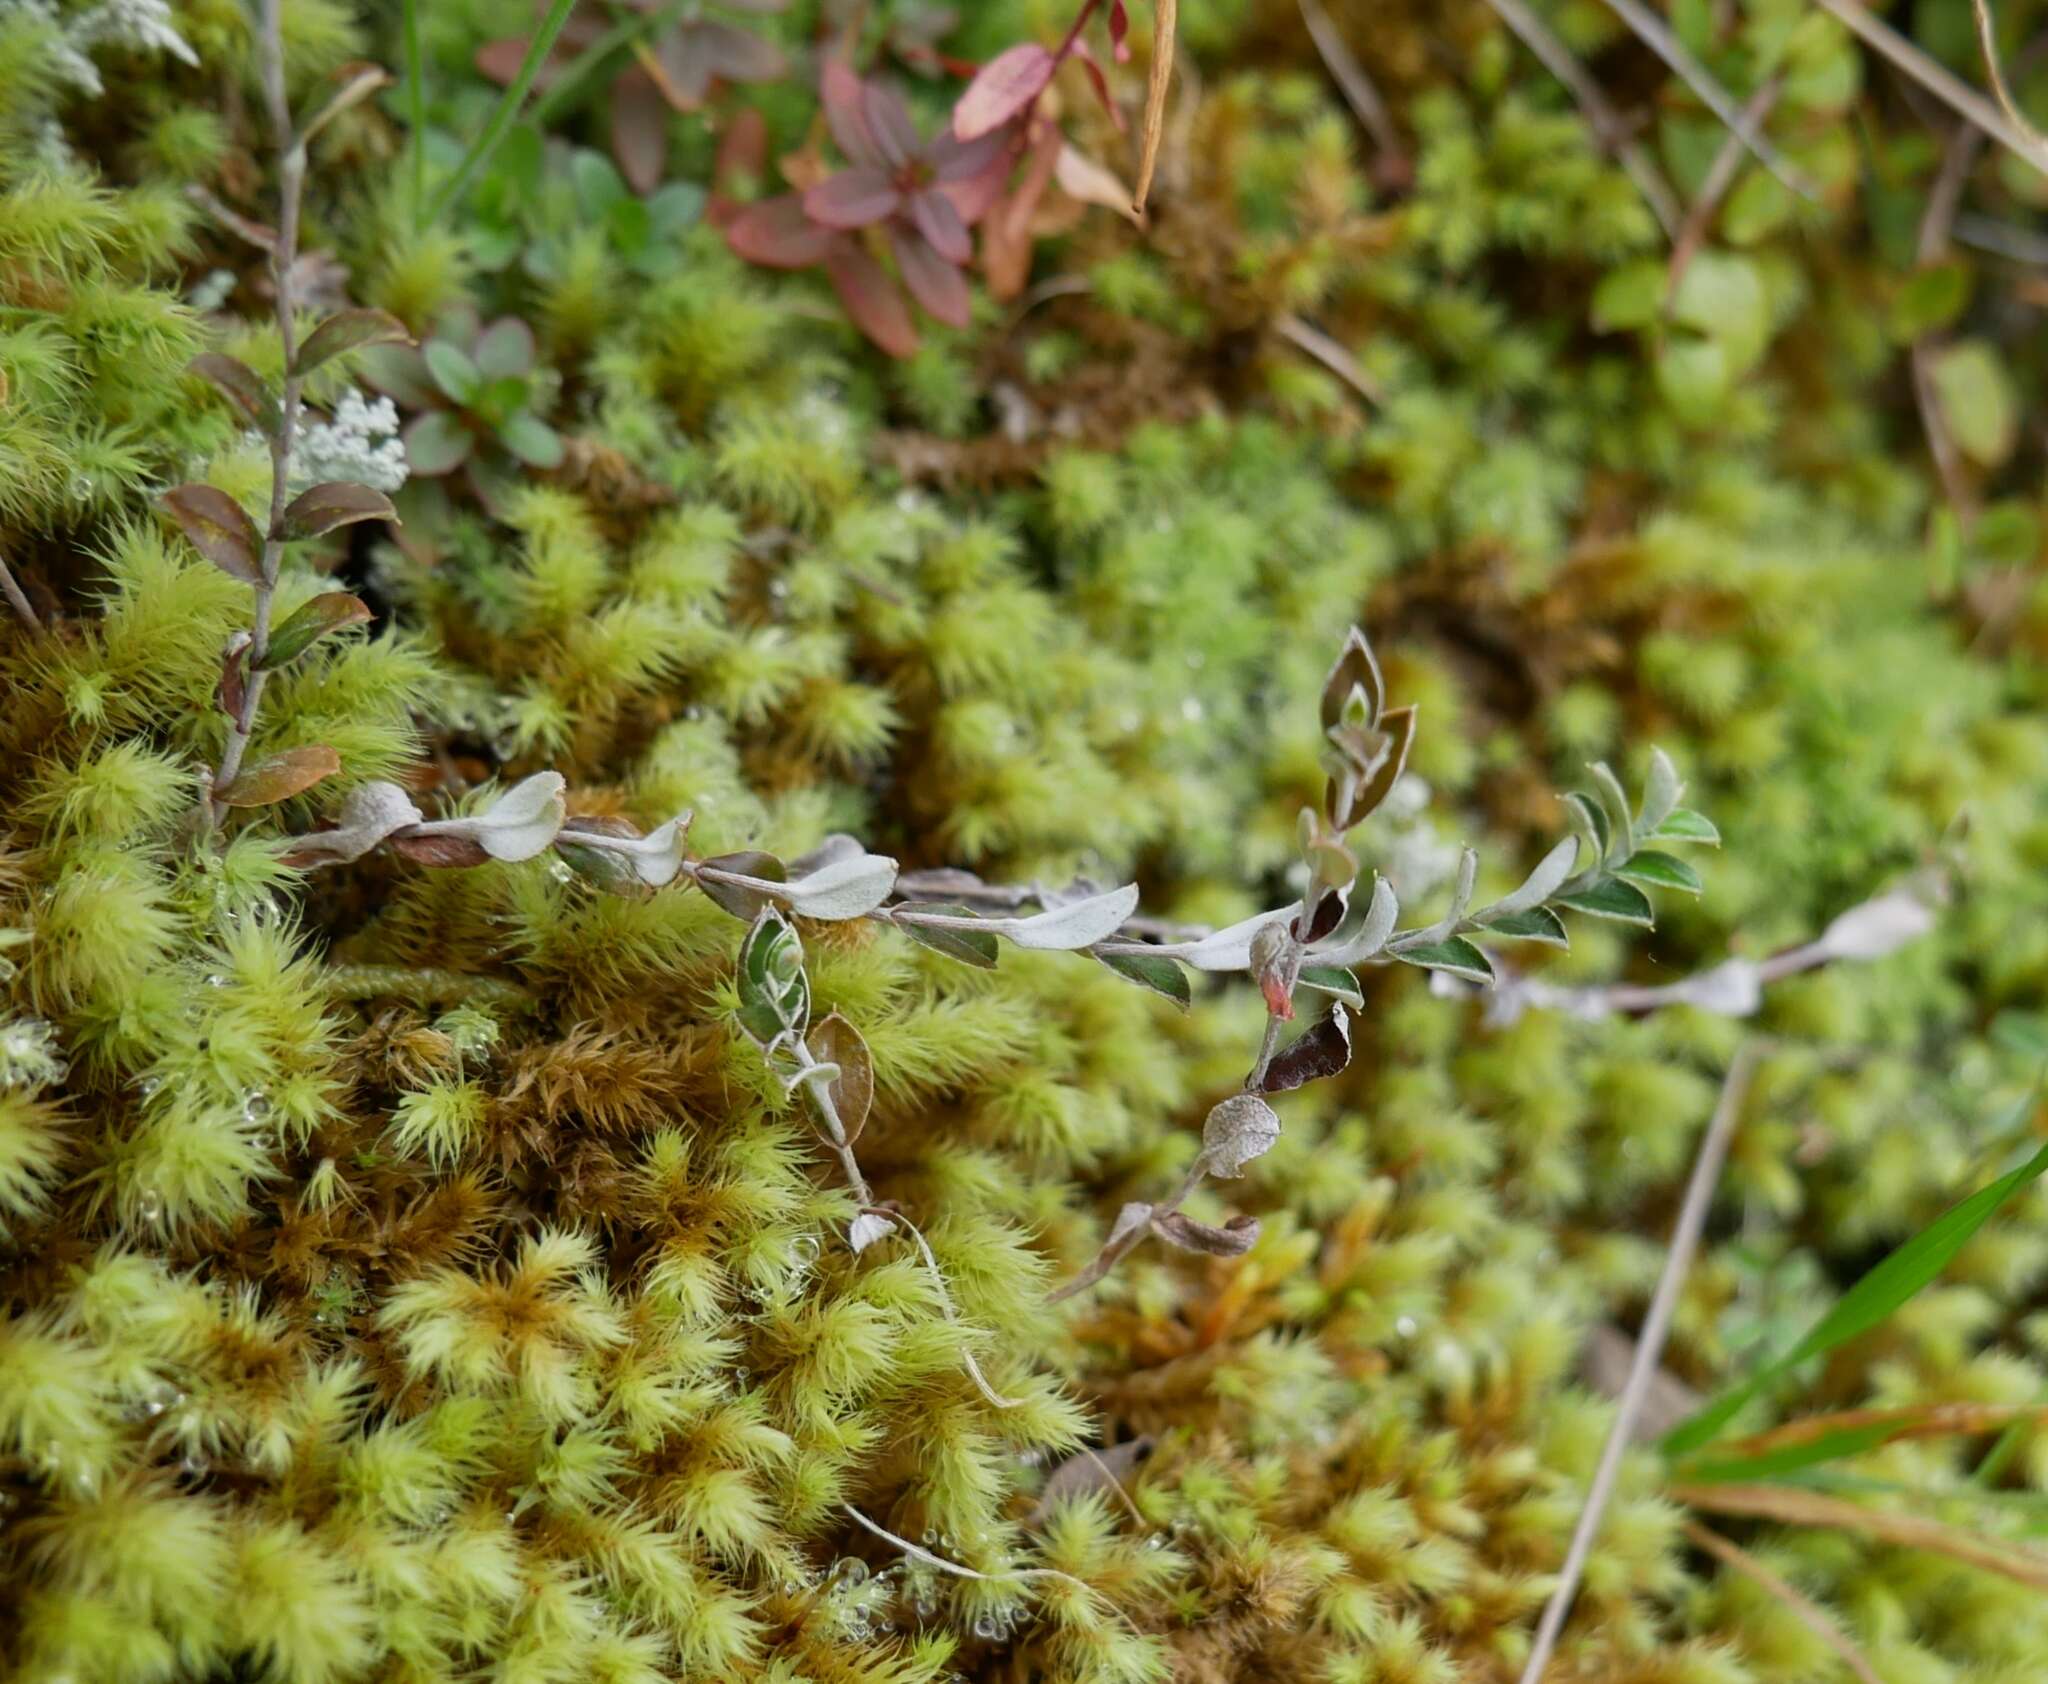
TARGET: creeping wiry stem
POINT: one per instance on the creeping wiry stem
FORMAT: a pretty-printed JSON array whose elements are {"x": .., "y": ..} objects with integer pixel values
[
  {"x": 284, "y": 252},
  {"x": 1685, "y": 1239}
]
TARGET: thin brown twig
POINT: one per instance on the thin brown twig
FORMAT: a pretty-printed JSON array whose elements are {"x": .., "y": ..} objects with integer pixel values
[
  {"x": 1607, "y": 124},
  {"x": 1720, "y": 177},
  {"x": 1352, "y": 81},
  {"x": 1801, "y": 1606},
  {"x": 17, "y": 599},
  {"x": 1685, "y": 1239},
  {"x": 1987, "y": 41}
]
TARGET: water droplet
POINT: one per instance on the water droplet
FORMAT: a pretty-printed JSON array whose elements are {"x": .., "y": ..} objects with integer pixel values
[
  {"x": 987, "y": 1627},
  {"x": 149, "y": 1205},
  {"x": 1156, "y": 1541},
  {"x": 81, "y": 487},
  {"x": 1405, "y": 1327},
  {"x": 216, "y": 980},
  {"x": 148, "y": 1086},
  {"x": 849, "y": 1573},
  {"x": 256, "y": 1107},
  {"x": 803, "y": 1250},
  {"x": 559, "y": 870}
]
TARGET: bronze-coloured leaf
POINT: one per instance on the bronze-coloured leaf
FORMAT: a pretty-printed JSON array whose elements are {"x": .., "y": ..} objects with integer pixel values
[
  {"x": 345, "y": 331},
  {"x": 278, "y": 777},
  {"x": 220, "y": 530},
  {"x": 833, "y": 1040},
  {"x": 331, "y": 611},
  {"x": 318, "y": 511}
]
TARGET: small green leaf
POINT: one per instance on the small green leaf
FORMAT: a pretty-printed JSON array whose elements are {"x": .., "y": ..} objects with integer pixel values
[
  {"x": 1154, "y": 971},
  {"x": 1629, "y": 297},
  {"x": 1684, "y": 825},
  {"x": 971, "y": 947},
  {"x": 532, "y": 440},
  {"x": 1660, "y": 871},
  {"x": 330, "y": 612},
  {"x": 437, "y": 443},
  {"x": 1539, "y": 923},
  {"x": 1623, "y": 902},
  {"x": 278, "y": 777},
  {"x": 348, "y": 330},
  {"x": 453, "y": 370},
  {"x": 1335, "y": 981},
  {"x": 1897, "y": 1279},
  {"x": 775, "y": 995},
  {"x": 1456, "y": 956},
  {"x": 324, "y": 508},
  {"x": 1977, "y": 398},
  {"x": 1589, "y": 817},
  {"x": 220, "y": 530}
]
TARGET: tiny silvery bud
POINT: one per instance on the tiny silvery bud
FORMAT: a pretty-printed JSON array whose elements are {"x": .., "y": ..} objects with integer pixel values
[
  {"x": 1275, "y": 964},
  {"x": 1237, "y": 1131},
  {"x": 867, "y": 1228}
]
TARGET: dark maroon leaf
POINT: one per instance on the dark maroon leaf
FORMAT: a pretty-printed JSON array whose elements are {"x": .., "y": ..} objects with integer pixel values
[
  {"x": 278, "y": 777},
  {"x": 242, "y": 386},
  {"x": 954, "y": 159},
  {"x": 845, "y": 114},
  {"x": 1329, "y": 914},
  {"x": 1323, "y": 1051},
  {"x": 871, "y": 300},
  {"x": 233, "y": 691},
  {"x": 1002, "y": 88},
  {"x": 319, "y": 510},
  {"x": 348, "y": 330},
  {"x": 220, "y": 530},
  {"x": 853, "y": 198},
  {"x": 1233, "y": 1239},
  {"x": 936, "y": 284},
  {"x": 682, "y": 70},
  {"x": 889, "y": 122},
  {"x": 938, "y": 219},
  {"x": 1119, "y": 28},
  {"x": 439, "y": 850},
  {"x": 776, "y": 234},
  {"x": 332, "y": 611},
  {"x": 1100, "y": 83},
  {"x": 639, "y": 130}
]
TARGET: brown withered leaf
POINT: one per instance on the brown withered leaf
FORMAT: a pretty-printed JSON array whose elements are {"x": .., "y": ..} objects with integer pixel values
[
  {"x": 439, "y": 850},
  {"x": 1165, "y": 15},
  {"x": 1324, "y": 1051},
  {"x": 1233, "y": 1239},
  {"x": 833, "y": 1040},
  {"x": 278, "y": 777},
  {"x": 220, "y": 530}
]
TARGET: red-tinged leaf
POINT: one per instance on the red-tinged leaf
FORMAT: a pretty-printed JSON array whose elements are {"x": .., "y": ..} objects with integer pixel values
[
  {"x": 845, "y": 112},
  {"x": 679, "y": 70},
  {"x": 936, "y": 284},
  {"x": 1323, "y": 1051},
  {"x": 738, "y": 55},
  {"x": 1119, "y": 31},
  {"x": 220, "y": 530},
  {"x": 895, "y": 135},
  {"x": 1006, "y": 247},
  {"x": 332, "y": 611},
  {"x": 776, "y": 234},
  {"x": 348, "y": 330},
  {"x": 871, "y": 300},
  {"x": 499, "y": 61},
  {"x": 316, "y": 512},
  {"x": 975, "y": 196},
  {"x": 233, "y": 690},
  {"x": 855, "y": 198},
  {"x": 1002, "y": 88},
  {"x": 639, "y": 129},
  {"x": 439, "y": 850},
  {"x": 940, "y": 223},
  {"x": 242, "y": 386},
  {"x": 278, "y": 777},
  {"x": 1100, "y": 83},
  {"x": 954, "y": 159}
]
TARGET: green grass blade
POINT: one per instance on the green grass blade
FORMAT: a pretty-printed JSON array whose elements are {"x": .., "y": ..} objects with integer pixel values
[
  {"x": 416, "y": 101},
  {"x": 507, "y": 110},
  {"x": 1891, "y": 1283}
]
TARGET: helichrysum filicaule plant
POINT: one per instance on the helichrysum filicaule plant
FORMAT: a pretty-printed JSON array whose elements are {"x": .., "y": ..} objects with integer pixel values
[{"x": 413, "y": 1267}]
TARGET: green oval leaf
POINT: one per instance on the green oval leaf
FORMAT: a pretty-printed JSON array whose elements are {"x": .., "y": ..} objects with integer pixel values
[
  {"x": 1660, "y": 871},
  {"x": 978, "y": 948},
  {"x": 1334, "y": 981},
  {"x": 1682, "y": 824},
  {"x": 1623, "y": 902},
  {"x": 1151, "y": 970},
  {"x": 1457, "y": 957},
  {"x": 331, "y": 612}
]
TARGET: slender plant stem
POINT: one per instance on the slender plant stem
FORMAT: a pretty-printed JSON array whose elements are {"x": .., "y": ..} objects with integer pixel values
[
  {"x": 835, "y": 1130},
  {"x": 1685, "y": 1239},
  {"x": 416, "y": 102},
  {"x": 284, "y": 252},
  {"x": 1720, "y": 177},
  {"x": 1352, "y": 81},
  {"x": 1803, "y": 1608},
  {"x": 16, "y": 598}
]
